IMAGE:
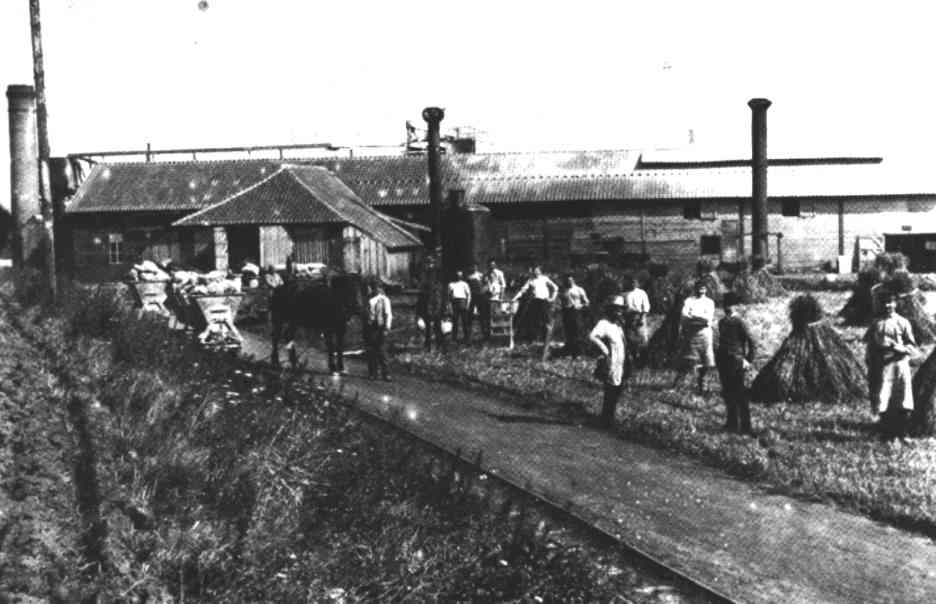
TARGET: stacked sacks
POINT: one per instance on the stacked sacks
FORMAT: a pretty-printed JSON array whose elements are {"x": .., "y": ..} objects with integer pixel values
[
  {"x": 813, "y": 364},
  {"x": 147, "y": 271}
]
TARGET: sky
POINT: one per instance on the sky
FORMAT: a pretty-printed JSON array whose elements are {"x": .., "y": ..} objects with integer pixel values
[{"x": 845, "y": 78}]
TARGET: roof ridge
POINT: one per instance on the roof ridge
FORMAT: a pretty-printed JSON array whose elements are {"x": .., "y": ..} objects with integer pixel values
[
  {"x": 356, "y": 199},
  {"x": 231, "y": 198}
]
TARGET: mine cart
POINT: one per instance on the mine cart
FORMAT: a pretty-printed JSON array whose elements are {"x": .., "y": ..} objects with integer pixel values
[
  {"x": 219, "y": 311},
  {"x": 151, "y": 295}
]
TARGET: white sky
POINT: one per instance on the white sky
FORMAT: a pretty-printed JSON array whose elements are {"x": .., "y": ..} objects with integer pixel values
[{"x": 844, "y": 77}]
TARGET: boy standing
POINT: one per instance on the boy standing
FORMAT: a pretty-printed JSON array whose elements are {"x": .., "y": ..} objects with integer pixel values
[{"x": 735, "y": 355}]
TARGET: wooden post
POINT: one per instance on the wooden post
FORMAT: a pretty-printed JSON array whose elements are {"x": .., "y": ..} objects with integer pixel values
[{"x": 42, "y": 132}]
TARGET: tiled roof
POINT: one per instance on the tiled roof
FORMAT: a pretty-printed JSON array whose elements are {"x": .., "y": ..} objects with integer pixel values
[
  {"x": 301, "y": 195},
  {"x": 173, "y": 186}
]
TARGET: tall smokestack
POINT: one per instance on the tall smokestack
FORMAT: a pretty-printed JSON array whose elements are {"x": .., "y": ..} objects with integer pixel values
[
  {"x": 25, "y": 239},
  {"x": 433, "y": 116},
  {"x": 759, "y": 247}
]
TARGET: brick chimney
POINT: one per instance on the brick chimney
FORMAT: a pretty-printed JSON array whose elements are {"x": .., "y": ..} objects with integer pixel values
[
  {"x": 759, "y": 247},
  {"x": 25, "y": 236}
]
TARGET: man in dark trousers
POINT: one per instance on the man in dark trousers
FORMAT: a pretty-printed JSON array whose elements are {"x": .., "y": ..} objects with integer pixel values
[
  {"x": 431, "y": 304},
  {"x": 480, "y": 301},
  {"x": 734, "y": 357},
  {"x": 379, "y": 320}
]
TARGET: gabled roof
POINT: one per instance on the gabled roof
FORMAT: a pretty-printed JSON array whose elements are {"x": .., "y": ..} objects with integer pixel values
[
  {"x": 301, "y": 195},
  {"x": 169, "y": 186}
]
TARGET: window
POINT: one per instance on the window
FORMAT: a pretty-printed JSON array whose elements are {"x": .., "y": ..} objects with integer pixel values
[
  {"x": 790, "y": 207},
  {"x": 710, "y": 244},
  {"x": 692, "y": 210},
  {"x": 114, "y": 248}
]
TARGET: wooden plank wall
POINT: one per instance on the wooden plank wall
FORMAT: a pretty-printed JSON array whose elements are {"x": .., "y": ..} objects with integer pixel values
[{"x": 810, "y": 240}]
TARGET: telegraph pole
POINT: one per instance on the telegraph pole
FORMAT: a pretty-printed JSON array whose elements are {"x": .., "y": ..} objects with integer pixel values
[{"x": 42, "y": 131}]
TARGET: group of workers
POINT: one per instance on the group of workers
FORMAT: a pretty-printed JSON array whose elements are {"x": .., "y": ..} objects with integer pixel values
[{"x": 621, "y": 336}]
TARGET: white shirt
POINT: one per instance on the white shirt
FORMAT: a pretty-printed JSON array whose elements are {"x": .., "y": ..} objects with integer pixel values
[
  {"x": 496, "y": 283},
  {"x": 379, "y": 312},
  {"x": 459, "y": 290},
  {"x": 636, "y": 300},
  {"x": 542, "y": 286},
  {"x": 611, "y": 337},
  {"x": 699, "y": 308}
]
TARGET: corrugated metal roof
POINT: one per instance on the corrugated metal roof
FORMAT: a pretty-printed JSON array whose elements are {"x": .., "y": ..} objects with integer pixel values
[
  {"x": 165, "y": 186},
  {"x": 490, "y": 178},
  {"x": 278, "y": 199},
  {"x": 302, "y": 195}
]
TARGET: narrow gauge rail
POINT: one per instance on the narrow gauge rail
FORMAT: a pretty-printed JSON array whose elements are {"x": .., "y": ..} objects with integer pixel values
[{"x": 568, "y": 511}]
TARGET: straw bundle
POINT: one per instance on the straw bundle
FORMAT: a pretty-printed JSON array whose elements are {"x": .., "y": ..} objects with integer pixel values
[
  {"x": 859, "y": 309},
  {"x": 812, "y": 364},
  {"x": 911, "y": 306},
  {"x": 923, "y": 421}
]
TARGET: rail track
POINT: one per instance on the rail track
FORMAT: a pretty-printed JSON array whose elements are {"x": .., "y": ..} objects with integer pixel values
[{"x": 563, "y": 511}]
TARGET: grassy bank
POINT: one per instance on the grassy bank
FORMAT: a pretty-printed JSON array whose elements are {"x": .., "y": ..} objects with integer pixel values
[
  {"x": 814, "y": 450},
  {"x": 217, "y": 481}
]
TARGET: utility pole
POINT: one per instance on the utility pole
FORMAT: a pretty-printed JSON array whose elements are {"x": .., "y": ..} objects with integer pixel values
[{"x": 42, "y": 131}]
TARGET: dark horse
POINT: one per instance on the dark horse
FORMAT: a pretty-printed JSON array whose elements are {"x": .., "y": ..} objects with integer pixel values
[{"x": 323, "y": 305}]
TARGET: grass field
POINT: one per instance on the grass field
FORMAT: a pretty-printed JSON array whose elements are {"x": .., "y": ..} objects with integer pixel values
[
  {"x": 138, "y": 468},
  {"x": 815, "y": 451}
]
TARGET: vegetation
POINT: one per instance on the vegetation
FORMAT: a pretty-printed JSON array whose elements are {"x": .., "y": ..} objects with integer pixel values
[{"x": 203, "y": 478}]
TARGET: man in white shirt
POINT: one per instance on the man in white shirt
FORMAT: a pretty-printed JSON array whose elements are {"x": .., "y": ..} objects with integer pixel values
[
  {"x": 698, "y": 314},
  {"x": 608, "y": 338},
  {"x": 636, "y": 308},
  {"x": 480, "y": 303},
  {"x": 460, "y": 300},
  {"x": 573, "y": 301},
  {"x": 544, "y": 292},
  {"x": 379, "y": 321}
]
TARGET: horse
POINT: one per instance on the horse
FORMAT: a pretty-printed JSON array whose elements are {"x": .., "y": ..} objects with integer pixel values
[{"x": 323, "y": 305}]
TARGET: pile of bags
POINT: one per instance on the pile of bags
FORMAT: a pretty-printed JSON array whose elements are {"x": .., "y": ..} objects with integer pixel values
[{"x": 213, "y": 283}]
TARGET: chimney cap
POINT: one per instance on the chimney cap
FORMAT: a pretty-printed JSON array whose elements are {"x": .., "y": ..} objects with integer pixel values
[
  {"x": 433, "y": 114},
  {"x": 759, "y": 103},
  {"x": 20, "y": 91}
]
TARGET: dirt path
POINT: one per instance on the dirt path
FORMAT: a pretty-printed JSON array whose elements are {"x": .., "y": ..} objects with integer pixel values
[{"x": 732, "y": 536}]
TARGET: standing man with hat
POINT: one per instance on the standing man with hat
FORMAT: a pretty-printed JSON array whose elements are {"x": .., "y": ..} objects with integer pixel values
[
  {"x": 734, "y": 358},
  {"x": 608, "y": 336}
]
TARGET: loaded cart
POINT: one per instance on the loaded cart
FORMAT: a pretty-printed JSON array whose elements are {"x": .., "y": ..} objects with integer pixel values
[
  {"x": 151, "y": 295},
  {"x": 219, "y": 311}
]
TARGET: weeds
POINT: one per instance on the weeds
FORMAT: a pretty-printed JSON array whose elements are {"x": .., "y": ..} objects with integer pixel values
[{"x": 221, "y": 482}]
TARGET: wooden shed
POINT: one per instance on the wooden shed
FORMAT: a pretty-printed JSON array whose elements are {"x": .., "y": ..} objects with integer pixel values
[{"x": 217, "y": 214}]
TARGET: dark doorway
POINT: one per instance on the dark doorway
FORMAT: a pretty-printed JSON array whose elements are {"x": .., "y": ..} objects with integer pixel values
[
  {"x": 920, "y": 248},
  {"x": 243, "y": 244}
]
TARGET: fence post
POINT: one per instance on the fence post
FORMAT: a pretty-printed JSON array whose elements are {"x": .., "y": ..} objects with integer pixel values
[{"x": 780, "y": 253}]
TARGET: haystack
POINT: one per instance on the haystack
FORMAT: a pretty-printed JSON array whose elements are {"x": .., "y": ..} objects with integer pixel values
[
  {"x": 911, "y": 305},
  {"x": 923, "y": 421},
  {"x": 812, "y": 364},
  {"x": 859, "y": 309},
  {"x": 756, "y": 285}
]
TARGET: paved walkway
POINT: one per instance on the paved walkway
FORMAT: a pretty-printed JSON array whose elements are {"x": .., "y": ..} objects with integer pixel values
[{"x": 729, "y": 535}]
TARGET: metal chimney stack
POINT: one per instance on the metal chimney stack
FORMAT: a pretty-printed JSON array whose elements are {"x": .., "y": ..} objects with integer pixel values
[
  {"x": 759, "y": 246},
  {"x": 433, "y": 116},
  {"x": 24, "y": 177}
]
